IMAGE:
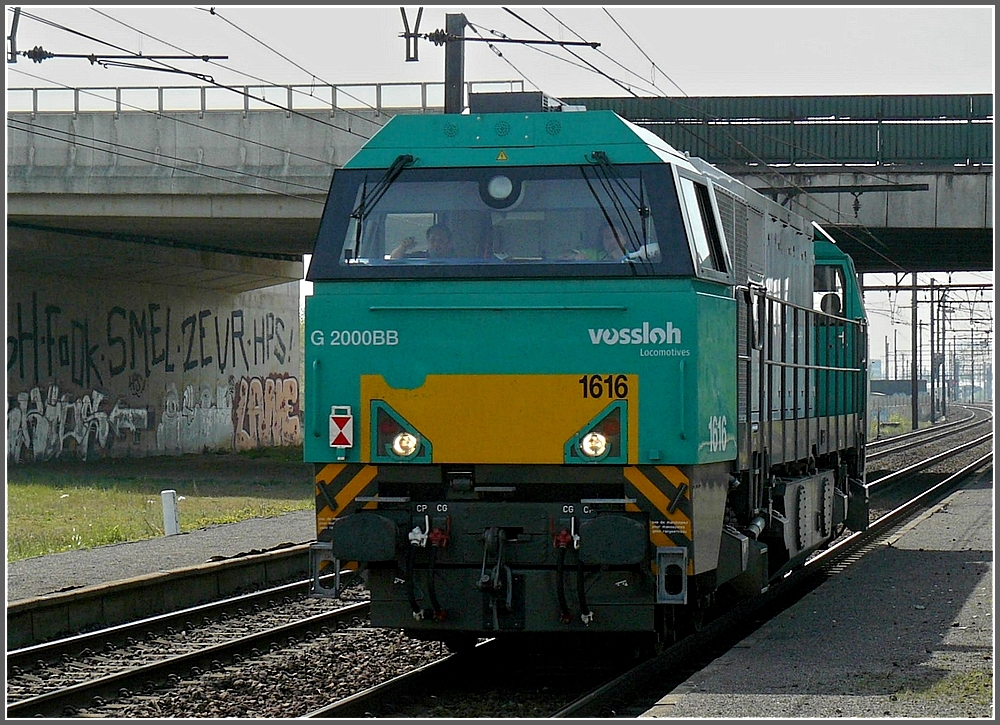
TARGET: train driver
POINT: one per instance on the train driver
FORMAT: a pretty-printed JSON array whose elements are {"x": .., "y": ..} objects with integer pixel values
[
  {"x": 439, "y": 244},
  {"x": 611, "y": 249}
]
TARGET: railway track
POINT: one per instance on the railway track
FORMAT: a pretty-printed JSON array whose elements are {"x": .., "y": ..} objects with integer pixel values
[
  {"x": 155, "y": 655},
  {"x": 167, "y": 624},
  {"x": 529, "y": 677},
  {"x": 567, "y": 691},
  {"x": 881, "y": 448}
]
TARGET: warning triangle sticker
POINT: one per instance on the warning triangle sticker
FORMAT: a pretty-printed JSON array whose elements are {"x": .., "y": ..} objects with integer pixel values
[{"x": 502, "y": 156}]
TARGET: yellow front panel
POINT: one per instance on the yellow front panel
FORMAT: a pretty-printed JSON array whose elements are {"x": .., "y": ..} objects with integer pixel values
[{"x": 496, "y": 418}]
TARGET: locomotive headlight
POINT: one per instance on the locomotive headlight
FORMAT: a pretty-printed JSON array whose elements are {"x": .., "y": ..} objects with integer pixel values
[
  {"x": 594, "y": 444},
  {"x": 405, "y": 444},
  {"x": 500, "y": 187},
  {"x": 500, "y": 191},
  {"x": 602, "y": 440}
]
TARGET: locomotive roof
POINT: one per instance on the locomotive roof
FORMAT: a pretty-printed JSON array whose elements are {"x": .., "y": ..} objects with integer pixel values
[
  {"x": 539, "y": 139},
  {"x": 513, "y": 139}
]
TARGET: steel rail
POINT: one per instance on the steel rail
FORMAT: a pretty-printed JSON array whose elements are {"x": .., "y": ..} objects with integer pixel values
[
  {"x": 907, "y": 441},
  {"x": 68, "y": 700},
  {"x": 119, "y": 634},
  {"x": 360, "y": 704},
  {"x": 926, "y": 463},
  {"x": 890, "y": 440}
]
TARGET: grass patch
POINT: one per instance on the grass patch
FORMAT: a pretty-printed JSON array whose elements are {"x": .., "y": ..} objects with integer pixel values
[
  {"x": 961, "y": 687},
  {"x": 61, "y": 507},
  {"x": 975, "y": 686}
]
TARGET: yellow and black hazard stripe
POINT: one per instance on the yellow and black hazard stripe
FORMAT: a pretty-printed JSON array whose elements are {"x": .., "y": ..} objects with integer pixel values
[
  {"x": 337, "y": 487},
  {"x": 665, "y": 494}
]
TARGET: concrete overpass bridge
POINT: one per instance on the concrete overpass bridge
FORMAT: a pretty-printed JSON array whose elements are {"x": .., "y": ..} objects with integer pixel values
[
  {"x": 155, "y": 239},
  {"x": 217, "y": 173}
]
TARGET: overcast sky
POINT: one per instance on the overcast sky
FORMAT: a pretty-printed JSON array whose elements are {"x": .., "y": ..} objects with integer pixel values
[
  {"x": 694, "y": 50},
  {"x": 665, "y": 50}
]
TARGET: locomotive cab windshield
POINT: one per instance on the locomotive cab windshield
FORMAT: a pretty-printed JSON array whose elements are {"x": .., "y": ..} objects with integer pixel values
[{"x": 518, "y": 221}]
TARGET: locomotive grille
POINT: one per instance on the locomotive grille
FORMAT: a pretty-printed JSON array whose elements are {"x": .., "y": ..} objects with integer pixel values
[
  {"x": 733, "y": 212},
  {"x": 726, "y": 209},
  {"x": 734, "y": 224}
]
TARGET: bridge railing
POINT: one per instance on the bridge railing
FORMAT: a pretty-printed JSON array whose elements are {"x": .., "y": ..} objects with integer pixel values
[{"x": 419, "y": 97}]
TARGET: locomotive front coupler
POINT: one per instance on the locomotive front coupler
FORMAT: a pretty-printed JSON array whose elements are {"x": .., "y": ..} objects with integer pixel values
[{"x": 497, "y": 585}]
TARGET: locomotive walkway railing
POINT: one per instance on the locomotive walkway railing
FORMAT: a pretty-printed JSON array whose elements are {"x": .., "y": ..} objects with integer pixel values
[{"x": 802, "y": 369}]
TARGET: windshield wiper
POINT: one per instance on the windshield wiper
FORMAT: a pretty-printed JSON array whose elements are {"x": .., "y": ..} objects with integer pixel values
[
  {"x": 609, "y": 179},
  {"x": 605, "y": 164},
  {"x": 365, "y": 207}
]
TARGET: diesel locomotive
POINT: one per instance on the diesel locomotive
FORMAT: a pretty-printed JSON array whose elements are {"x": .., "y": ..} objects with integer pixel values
[{"x": 625, "y": 385}]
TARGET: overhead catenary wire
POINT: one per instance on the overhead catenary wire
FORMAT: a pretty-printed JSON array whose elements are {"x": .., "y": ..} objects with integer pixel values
[
  {"x": 608, "y": 13},
  {"x": 574, "y": 54},
  {"x": 216, "y": 13},
  {"x": 704, "y": 116},
  {"x": 39, "y": 56},
  {"x": 209, "y": 79},
  {"x": 256, "y": 78},
  {"x": 541, "y": 51},
  {"x": 620, "y": 65},
  {"x": 500, "y": 55}
]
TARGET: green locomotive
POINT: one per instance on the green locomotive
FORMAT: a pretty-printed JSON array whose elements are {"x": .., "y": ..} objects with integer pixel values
[{"x": 561, "y": 377}]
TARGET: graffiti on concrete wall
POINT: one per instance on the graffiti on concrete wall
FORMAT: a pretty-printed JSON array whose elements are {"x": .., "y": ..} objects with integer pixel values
[
  {"x": 220, "y": 374},
  {"x": 266, "y": 412},
  {"x": 46, "y": 344},
  {"x": 198, "y": 419},
  {"x": 42, "y": 428},
  {"x": 254, "y": 412}
]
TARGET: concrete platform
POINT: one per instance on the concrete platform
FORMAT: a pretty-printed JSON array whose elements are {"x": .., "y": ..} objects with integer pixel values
[
  {"x": 69, "y": 570},
  {"x": 906, "y": 631}
]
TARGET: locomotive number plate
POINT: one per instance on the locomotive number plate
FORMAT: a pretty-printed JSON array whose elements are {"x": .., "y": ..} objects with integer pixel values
[{"x": 612, "y": 387}]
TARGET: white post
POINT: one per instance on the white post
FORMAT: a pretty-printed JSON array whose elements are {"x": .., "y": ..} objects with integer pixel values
[{"x": 171, "y": 516}]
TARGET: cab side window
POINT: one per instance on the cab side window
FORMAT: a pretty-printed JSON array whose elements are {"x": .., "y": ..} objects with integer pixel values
[
  {"x": 828, "y": 289},
  {"x": 706, "y": 237}
]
